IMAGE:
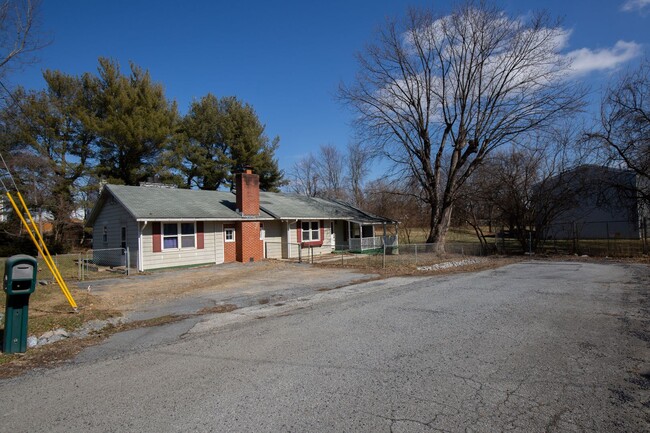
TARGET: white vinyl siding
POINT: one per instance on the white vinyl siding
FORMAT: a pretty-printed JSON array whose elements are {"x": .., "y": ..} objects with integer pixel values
[
  {"x": 212, "y": 251},
  {"x": 217, "y": 241},
  {"x": 291, "y": 250},
  {"x": 274, "y": 239},
  {"x": 113, "y": 216}
]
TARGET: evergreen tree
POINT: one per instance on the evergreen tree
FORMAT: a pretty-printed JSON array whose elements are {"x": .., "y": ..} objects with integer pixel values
[
  {"x": 201, "y": 148},
  {"x": 134, "y": 121},
  {"x": 48, "y": 144},
  {"x": 218, "y": 137}
]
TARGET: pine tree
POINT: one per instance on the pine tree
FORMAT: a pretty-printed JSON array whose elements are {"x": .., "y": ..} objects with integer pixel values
[
  {"x": 218, "y": 137},
  {"x": 49, "y": 145},
  {"x": 135, "y": 123}
]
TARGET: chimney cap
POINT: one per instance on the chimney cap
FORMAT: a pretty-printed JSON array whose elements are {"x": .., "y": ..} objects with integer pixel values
[{"x": 247, "y": 169}]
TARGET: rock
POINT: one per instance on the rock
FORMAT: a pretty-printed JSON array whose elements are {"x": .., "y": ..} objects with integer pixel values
[
  {"x": 61, "y": 333},
  {"x": 32, "y": 341},
  {"x": 43, "y": 282},
  {"x": 46, "y": 335},
  {"x": 447, "y": 265},
  {"x": 53, "y": 336}
]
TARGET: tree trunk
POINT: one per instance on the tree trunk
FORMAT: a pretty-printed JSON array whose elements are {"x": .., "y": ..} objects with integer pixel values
[{"x": 439, "y": 228}]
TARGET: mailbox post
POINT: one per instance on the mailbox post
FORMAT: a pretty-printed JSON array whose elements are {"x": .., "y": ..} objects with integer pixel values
[{"x": 19, "y": 282}]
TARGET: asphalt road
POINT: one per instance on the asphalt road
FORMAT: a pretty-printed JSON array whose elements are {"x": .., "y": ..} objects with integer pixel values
[{"x": 532, "y": 347}]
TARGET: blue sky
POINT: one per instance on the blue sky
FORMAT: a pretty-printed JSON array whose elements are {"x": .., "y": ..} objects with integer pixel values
[{"x": 286, "y": 58}]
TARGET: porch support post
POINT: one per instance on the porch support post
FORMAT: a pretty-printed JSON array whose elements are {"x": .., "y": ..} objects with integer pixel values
[
  {"x": 349, "y": 237},
  {"x": 360, "y": 237}
]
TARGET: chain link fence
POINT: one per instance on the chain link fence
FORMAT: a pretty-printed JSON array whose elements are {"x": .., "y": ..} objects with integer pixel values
[
  {"x": 67, "y": 264},
  {"x": 377, "y": 256},
  {"x": 89, "y": 265},
  {"x": 105, "y": 263},
  {"x": 598, "y": 238}
]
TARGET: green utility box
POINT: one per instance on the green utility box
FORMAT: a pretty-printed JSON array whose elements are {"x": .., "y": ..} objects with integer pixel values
[{"x": 19, "y": 282}]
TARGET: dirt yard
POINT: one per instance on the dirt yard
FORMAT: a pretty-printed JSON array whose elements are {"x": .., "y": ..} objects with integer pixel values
[{"x": 162, "y": 287}]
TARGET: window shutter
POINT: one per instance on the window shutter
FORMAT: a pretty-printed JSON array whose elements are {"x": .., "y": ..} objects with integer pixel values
[
  {"x": 157, "y": 244},
  {"x": 299, "y": 231},
  {"x": 322, "y": 231},
  {"x": 199, "y": 235}
]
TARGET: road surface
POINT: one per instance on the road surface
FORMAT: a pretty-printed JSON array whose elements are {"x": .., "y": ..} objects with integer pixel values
[{"x": 531, "y": 347}]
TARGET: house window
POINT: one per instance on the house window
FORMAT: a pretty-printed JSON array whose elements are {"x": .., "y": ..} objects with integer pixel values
[
  {"x": 187, "y": 235},
  {"x": 230, "y": 235},
  {"x": 310, "y": 231},
  {"x": 105, "y": 235},
  {"x": 262, "y": 232},
  {"x": 175, "y": 234}
]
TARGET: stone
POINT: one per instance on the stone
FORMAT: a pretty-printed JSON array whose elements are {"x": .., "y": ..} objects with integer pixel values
[{"x": 32, "y": 341}]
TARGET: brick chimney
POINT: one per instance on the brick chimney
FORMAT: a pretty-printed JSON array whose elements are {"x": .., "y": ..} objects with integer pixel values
[
  {"x": 249, "y": 247},
  {"x": 247, "y": 185}
]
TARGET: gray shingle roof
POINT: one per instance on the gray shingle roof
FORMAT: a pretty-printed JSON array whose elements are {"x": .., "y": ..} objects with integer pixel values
[
  {"x": 150, "y": 203},
  {"x": 290, "y": 206}
]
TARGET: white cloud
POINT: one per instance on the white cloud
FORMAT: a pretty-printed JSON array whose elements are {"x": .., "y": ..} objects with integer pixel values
[
  {"x": 586, "y": 60},
  {"x": 635, "y": 5}
]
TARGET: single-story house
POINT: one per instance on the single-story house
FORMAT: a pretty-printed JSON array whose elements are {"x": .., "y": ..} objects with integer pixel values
[{"x": 166, "y": 227}]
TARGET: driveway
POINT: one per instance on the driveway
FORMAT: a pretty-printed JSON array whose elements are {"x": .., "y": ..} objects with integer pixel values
[
  {"x": 531, "y": 347},
  {"x": 183, "y": 291}
]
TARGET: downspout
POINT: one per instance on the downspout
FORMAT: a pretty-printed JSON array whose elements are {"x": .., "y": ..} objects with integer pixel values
[{"x": 140, "y": 252}]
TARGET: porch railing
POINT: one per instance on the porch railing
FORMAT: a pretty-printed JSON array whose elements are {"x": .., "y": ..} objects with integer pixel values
[{"x": 364, "y": 244}]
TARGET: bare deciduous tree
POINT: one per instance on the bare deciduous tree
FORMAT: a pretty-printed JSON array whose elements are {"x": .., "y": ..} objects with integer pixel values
[
  {"x": 331, "y": 173},
  {"x": 17, "y": 36},
  {"x": 624, "y": 130},
  {"x": 304, "y": 177},
  {"x": 330, "y": 163},
  {"x": 358, "y": 168},
  {"x": 438, "y": 94},
  {"x": 400, "y": 201},
  {"x": 525, "y": 189}
]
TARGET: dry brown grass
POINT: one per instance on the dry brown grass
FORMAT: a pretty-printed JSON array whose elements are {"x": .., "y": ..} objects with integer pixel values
[
  {"x": 373, "y": 264},
  {"x": 54, "y": 354}
]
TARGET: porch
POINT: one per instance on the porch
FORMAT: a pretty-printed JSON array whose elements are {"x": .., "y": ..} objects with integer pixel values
[{"x": 363, "y": 237}]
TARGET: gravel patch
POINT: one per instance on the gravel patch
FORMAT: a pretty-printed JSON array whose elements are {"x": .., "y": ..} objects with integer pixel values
[{"x": 453, "y": 264}]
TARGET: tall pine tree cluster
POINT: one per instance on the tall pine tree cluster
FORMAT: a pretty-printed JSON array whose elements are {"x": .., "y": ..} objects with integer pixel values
[{"x": 62, "y": 141}]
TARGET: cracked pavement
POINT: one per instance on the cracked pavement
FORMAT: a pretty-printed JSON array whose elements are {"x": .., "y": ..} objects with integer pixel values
[{"x": 531, "y": 347}]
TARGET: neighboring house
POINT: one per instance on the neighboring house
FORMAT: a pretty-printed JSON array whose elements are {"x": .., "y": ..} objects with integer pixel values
[
  {"x": 605, "y": 204},
  {"x": 167, "y": 227}
]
